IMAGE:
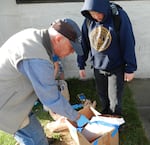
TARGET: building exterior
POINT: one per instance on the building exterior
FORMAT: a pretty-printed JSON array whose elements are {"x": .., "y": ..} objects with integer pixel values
[{"x": 15, "y": 17}]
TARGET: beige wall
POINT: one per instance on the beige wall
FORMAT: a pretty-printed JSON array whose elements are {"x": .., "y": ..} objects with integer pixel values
[{"x": 14, "y": 18}]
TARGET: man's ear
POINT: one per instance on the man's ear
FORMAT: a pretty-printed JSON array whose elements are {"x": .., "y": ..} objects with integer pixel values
[{"x": 58, "y": 38}]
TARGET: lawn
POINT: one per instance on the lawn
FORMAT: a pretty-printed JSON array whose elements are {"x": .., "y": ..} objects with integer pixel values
[{"x": 132, "y": 133}]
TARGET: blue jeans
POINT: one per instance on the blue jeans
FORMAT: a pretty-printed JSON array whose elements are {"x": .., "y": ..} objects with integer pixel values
[{"x": 32, "y": 134}]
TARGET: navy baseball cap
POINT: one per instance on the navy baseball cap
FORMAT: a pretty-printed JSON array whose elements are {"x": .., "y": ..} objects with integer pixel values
[{"x": 69, "y": 28}]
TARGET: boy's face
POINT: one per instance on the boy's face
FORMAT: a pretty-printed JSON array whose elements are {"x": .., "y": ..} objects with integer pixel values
[{"x": 97, "y": 16}]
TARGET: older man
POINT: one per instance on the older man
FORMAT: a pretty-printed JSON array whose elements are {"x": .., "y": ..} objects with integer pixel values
[{"x": 27, "y": 73}]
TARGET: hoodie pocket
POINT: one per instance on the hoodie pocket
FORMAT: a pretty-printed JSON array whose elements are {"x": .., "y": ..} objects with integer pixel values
[{"x": 100, "y": 61}]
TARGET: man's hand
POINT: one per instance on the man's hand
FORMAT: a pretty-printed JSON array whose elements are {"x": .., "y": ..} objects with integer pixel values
[
  {"x": 84, "y": 115},
  {"x": 80, "y": 121}
]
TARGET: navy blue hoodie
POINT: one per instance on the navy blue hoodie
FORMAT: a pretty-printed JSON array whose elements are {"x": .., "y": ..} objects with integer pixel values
[{"x": 108, "y": 52}]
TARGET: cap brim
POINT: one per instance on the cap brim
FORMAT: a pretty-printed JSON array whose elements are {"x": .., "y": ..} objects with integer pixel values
[{"x": 77, "y": 47}]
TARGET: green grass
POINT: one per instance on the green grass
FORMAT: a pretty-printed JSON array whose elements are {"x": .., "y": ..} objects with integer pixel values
[
  {"x": 6, "y": 139},
  {"x": 132, "y": 133}
]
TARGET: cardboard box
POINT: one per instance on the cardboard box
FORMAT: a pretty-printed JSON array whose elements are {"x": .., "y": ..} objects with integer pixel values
[{"x": 96, "y": 134}]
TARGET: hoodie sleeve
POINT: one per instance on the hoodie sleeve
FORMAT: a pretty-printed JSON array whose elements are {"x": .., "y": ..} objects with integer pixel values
[
  {"x": 127, "y": 43},
  {"x": 85, "y": 46}
]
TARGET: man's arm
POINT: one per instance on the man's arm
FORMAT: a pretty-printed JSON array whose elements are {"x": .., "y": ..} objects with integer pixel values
[{"x": 40, "y": 73}]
